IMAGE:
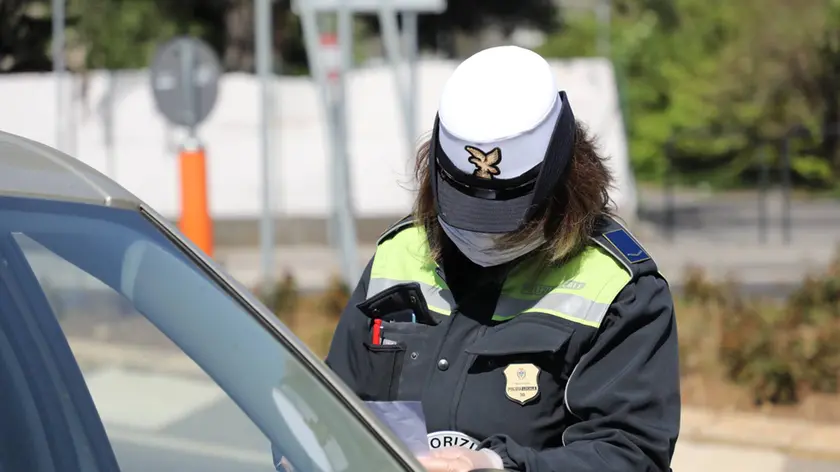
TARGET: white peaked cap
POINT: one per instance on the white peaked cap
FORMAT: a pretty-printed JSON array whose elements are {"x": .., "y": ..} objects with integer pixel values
[
  {"x": 503, "y": 97},
  {"x": 502, "y": 139}
]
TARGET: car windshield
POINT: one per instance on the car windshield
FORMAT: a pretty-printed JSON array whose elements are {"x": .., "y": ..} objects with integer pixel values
[{"x": 122, "y": 250}]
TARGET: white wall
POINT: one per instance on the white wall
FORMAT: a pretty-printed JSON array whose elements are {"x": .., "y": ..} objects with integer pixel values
[{"x": 381, "y": 166}]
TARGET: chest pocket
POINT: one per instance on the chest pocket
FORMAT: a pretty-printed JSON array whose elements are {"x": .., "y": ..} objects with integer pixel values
[
  {"x": 519, "y": 373},
  {"x": 398, "y": 361},
  {"x": 396, "y": 369}
]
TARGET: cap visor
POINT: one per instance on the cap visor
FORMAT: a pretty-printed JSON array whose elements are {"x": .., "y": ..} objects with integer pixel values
[{"x": 482, "y": 216}]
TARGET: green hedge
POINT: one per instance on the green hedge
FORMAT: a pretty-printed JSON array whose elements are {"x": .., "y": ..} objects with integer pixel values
[{"x": 779, "y": 350}]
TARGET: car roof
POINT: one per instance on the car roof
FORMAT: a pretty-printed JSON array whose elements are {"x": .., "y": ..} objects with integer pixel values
[{"x": 34, "y": 170}]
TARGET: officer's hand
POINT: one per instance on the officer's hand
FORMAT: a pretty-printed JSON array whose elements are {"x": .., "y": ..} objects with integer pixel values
[{"x": 459, "y": 459}]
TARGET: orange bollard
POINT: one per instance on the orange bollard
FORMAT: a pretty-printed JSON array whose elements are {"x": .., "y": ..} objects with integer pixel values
[{"x": 195, "y": 215}]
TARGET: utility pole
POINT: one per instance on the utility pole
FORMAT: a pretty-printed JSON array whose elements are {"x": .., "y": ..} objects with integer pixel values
[
  {"x": 263, "y": 42},
  {"x": 344, "y": 191},
  {"x": 330, "y": 57},
  {"x": 411, "y": 51},
  {"x": 59, "y": 67}
]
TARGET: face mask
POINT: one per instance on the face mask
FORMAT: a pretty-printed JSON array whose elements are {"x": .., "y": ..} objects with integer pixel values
[{"x": 483, "y": 248}]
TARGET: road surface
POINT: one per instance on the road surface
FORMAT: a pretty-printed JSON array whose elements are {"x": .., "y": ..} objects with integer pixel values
[{"x": 692, "y": 457}]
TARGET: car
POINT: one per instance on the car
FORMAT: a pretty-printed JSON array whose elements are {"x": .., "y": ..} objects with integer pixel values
[{"x": 123, "y": 347}]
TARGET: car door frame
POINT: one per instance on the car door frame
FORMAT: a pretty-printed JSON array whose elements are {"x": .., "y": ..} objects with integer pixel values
[{"x": 56, "y": 345}]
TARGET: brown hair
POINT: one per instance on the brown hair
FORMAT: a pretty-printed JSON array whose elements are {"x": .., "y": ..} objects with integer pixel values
[{"x": 579, "y": 200}]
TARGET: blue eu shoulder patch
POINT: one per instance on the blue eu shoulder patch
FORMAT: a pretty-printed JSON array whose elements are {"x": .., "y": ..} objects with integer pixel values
[{"x": 627, "y": 246}]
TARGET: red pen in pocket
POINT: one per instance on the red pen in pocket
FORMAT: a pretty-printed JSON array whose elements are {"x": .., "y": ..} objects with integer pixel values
[{"x": 377, "y": 331}]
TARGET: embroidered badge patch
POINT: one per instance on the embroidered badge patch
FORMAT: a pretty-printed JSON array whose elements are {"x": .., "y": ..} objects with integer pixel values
[
  {"x": 627, "y": 246},
  {"x": 486, "y": 163}
]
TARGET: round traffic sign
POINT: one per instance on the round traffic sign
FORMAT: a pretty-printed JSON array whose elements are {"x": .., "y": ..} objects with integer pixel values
[{"x": 185, "y": 80}]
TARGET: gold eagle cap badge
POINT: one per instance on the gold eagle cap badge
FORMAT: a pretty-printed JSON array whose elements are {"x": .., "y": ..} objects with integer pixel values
[{"x": 486, "y": 163}]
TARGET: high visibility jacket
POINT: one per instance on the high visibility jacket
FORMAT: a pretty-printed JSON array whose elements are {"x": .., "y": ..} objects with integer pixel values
[
  {"x": 580, "y": 291},
  {"x": 569, "y": 367}
]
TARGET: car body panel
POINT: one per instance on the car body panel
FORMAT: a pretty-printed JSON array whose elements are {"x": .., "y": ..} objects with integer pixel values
[{"x": 31, "y": 169}]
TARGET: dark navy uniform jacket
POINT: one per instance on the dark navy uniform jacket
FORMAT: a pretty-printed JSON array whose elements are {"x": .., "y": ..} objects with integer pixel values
[{"x": 609, "y": 397}]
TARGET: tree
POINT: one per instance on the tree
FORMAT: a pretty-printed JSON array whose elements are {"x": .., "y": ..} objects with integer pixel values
[
  {"x": 239, "y": 47},
  {"x": 731, "y": 77},
  {"x": 469, "y": 16},
  {"x": 124, "y": 33},
  {"x": 25, "y": 31}
]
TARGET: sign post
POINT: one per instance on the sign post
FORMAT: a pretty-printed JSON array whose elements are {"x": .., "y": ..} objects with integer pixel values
[
  {"x": 330, "y": 54},
  {"x": 322, "y": 52},
  {"x": 410, "y": 44},
  {"x": 185, "y": 80},
  {"x": 263, "y": 21}
]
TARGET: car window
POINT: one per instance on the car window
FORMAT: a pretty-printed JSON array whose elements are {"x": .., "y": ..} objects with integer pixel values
[
  {"x": 161, "y": 411},
  {"x": 183, "y": 376}
]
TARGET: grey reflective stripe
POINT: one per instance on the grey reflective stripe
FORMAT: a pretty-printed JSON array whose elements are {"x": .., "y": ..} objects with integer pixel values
[
  {"x": 438, "y": 300},
  {"x": 574, "y": 307},
  {"x": 565, "y": 305}
]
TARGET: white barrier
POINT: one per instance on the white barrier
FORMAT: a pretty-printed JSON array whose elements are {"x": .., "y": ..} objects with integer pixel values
[{"x": 381, "y": 165}]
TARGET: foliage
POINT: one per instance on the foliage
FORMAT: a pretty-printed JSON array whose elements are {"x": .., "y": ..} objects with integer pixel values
[
  {"x": 312, "y": 317},
  {"x": 780, "y": 352},
  {"x": 25, "y": 31},
  {"x": 722, "y": 80},
  {"x": 284, "y": 298},
  {"x": 122, "y": 34},
  {"x": 335, "y": 298},
  {"x": 436, "y": 31}
]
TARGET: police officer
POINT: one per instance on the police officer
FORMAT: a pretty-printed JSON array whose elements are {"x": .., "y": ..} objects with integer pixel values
[{"x": 535, "y": 329}]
